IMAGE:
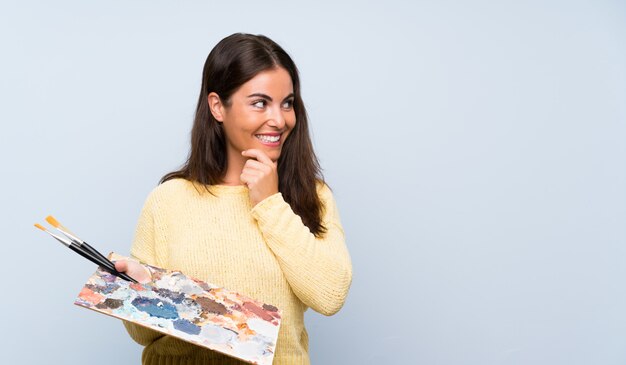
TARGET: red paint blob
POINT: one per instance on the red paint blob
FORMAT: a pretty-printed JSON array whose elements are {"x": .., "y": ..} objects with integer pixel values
[{"x": 90, "y": 296}]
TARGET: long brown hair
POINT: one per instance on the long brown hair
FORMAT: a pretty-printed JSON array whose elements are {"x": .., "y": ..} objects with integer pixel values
[{"x": 232, "y": 62}]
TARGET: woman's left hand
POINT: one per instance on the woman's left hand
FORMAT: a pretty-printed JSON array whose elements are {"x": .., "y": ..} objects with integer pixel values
[{"x": 260, "y": 174}]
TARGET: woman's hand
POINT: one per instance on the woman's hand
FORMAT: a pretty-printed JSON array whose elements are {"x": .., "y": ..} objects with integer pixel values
[
  {"x": 134, "y": 269},
  {"x": 260, "y": 174}
]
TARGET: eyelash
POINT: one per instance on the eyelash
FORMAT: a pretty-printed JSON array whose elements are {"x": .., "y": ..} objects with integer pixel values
[{"x": 264, "y": 102}]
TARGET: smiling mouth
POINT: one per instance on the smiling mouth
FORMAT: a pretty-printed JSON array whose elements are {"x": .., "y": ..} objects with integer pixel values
[{"x": 268, "y": 139}]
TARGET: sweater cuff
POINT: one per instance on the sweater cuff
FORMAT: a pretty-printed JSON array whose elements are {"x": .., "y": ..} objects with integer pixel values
[{"x": 266, "y": 205}]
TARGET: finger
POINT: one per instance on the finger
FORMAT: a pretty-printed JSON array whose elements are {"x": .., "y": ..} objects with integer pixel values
[
  {"x": 254, "y": 171},
  {"x": 134, "y": 270},
  {"x": 249, "y": 178},
  {"x": 259, "y": 155},
  {"x": 246, "y": 178},
  {"x": 121, "y": 265},
  {"x": 256, "y": 165},
  {"x": 142, "y": 275}
]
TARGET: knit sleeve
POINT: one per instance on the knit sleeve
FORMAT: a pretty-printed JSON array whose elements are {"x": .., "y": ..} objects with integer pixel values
[
  {"x": 318, "y": 270},
  {"x": 143, "y": 249}
]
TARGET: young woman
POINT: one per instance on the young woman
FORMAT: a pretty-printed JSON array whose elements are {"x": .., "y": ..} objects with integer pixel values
[{"x": 249, "y": 210}]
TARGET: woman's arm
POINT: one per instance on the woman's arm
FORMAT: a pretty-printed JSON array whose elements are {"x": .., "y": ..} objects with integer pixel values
[{"x": 319, "y": 270}]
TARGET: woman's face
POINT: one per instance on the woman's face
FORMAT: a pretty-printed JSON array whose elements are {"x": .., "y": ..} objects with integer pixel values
[{"x": 260, "y": 114}]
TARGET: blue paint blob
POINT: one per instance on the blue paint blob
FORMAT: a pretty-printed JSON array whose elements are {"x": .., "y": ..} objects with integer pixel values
[
  {"x": 155, "y": 307},
  {"x": 186, "y": 326}
]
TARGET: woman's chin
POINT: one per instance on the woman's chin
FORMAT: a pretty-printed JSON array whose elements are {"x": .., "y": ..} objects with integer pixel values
[{"x": 272, "y": 153}]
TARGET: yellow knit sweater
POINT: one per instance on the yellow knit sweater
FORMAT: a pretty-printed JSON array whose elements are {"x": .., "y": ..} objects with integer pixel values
[{"x": 264, "y": 252}]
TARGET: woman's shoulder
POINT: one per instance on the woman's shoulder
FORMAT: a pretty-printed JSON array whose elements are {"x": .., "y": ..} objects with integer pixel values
[
  {"x": 174, "y": 188},
  {"x": 323, "y": 190}
]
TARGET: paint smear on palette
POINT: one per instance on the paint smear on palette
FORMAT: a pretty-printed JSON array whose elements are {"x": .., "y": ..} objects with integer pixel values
[{"x": 189, "y": 309}]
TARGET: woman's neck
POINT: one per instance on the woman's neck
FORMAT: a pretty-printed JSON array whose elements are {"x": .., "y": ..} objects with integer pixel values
[{"x": 234, "y": 162}]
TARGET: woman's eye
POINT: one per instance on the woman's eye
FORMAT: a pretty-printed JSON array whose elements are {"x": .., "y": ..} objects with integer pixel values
[
  {"x": 288, "y": 104},
  {"x": 259, "y": 103}
]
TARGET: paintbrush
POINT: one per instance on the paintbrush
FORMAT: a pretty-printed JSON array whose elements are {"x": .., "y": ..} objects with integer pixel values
[
  {"x": 84, "y": 245},
  {"x": 96, "y": 259}
]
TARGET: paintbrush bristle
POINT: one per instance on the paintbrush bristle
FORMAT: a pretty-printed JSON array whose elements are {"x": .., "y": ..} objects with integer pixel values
[
  {"x": 53, "y": 222},
  {"x": 40, "y": 226}
]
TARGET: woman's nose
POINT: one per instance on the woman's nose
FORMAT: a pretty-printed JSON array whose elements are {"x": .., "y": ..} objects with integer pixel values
[{"x": 276, "y": 119}]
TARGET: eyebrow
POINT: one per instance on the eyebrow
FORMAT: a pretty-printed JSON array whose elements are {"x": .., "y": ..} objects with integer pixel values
[{"x": 261, "y": 95}]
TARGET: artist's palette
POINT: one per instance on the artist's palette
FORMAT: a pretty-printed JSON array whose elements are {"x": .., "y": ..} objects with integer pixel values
[{"x": 189, "y": 309}]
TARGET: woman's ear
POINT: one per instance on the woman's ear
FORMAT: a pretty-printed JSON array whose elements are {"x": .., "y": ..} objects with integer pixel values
[{"x": 216, "y": 107}]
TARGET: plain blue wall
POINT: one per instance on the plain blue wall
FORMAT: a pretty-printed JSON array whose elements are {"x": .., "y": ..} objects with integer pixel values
[{"x": 476, "y": 149}]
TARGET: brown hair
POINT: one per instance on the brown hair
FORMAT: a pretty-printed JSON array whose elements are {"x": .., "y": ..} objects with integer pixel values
[{"x": 232, "y": 62}]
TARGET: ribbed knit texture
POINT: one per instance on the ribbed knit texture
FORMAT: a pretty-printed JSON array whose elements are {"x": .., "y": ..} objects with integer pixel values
[{"x": 264, "y": 252}]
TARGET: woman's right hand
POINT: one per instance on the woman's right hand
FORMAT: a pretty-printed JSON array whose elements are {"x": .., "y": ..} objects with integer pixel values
[{"x": 134, "y": 269}]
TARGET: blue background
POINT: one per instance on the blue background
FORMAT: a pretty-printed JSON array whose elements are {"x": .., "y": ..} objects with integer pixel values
[{"x": 476, "y": 150}]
